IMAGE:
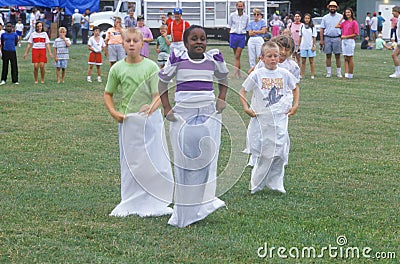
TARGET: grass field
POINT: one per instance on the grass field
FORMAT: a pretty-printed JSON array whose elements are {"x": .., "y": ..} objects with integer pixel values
[{"x": 59, "y": 177}]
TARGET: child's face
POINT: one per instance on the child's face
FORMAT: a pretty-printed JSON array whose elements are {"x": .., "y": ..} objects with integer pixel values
[
  {"x": 39, "y": 27},
  {"x": 8, "y": 28},
  {"x": 284, "y": 53},
  {"x": 395, "y": 14},
  {"x": 117, "y": 23},
  {"x": 19, "y": 21},
  {"x": 196, "y": 42},
  {"x": 307, "y": 19},
  {"x": 96, "y": 32},
  {"x": 140, "y": 23},
  {"x": 271, "y": 58},
  {"x": 348, "y": 13},
  {"x": 132, "y": 44},
  {"x": 62, "y": 33},
  {"x": 163, "y": 31}
]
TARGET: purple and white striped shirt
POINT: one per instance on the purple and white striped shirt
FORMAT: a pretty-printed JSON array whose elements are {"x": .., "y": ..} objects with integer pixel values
[{"x": 194, "y": 77}]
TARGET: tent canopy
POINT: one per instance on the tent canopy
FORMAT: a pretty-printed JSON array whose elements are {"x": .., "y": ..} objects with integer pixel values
[{"x": 68, "y": 5}]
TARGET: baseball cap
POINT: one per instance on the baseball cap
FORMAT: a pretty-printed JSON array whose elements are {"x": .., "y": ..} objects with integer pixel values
[
  {"x": 177, "y": 10},
  {"x": 140, "y": 18}
]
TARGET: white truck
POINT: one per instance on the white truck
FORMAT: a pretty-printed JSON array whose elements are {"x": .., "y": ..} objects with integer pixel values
[{"x": 211, "y": 14}]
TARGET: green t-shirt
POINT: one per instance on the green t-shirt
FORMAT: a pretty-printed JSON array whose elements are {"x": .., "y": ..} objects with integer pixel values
[
  {"x": 380, "y": 43},
  {"x": 138, "y": 82},
  {"x": 162, "y": 44}
]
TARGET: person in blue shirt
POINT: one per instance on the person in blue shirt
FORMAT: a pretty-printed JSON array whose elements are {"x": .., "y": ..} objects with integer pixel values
[
  {"x": 381, "y": 20},
  {"x": 9, "y": 40}
]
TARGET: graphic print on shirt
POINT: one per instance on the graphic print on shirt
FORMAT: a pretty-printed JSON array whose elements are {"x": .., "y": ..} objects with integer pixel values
[{"x": 272, "y": 90}]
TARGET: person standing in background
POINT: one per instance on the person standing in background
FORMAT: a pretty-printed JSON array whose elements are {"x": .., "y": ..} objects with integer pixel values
[
  {"x": 393, "y": 23},
  {"x": 76, "y": 25},
  {"x": 368, "y": 24},
  {"x": 381, "y": 20},
  {"x": 130, "y": 21},
  {"x": 330, "y": 39},
  {"x": 85, "y": 26},
  {"x": 237, "y": 24}
]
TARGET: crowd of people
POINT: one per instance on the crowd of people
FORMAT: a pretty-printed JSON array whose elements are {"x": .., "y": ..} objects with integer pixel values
[{"x": 276, "y": 68}]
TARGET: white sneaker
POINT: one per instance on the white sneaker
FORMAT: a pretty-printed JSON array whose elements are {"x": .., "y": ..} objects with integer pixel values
[
  {"x": 339, "y": 75},
  {"x": 89, "y": 79},
  {"x": 312, "y": 77},
  {"x": 16, "y": 83},
  {"x": 2, "y": 82},
  {"x": 99, "y": 78},
  {"x": 394, "y": 75},
  {"x": 328, "y": 75}
]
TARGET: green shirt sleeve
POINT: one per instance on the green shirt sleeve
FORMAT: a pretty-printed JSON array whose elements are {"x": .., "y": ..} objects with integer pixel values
[{"x": 112, "y": 82}]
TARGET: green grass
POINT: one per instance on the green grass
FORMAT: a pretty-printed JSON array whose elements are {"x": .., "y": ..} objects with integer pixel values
[{"x": 59, "y": 175}]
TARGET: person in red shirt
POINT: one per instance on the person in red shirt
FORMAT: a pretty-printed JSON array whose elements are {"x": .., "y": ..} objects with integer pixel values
[
  {"x": 176, "y": 29},
  {"x": 169, "y": 19}
]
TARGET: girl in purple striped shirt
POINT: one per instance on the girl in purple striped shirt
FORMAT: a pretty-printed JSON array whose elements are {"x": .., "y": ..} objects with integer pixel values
[{"x": 195, "y": 127}]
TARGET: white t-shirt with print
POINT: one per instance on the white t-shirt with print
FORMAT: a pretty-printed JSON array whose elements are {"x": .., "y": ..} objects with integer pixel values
[{"x": 269, "y": 87}]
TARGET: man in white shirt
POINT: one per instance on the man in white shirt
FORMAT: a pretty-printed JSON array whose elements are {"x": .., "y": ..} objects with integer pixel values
[
  {"x": 368, "y": 24},
  {"x": 237, "y": 25}
]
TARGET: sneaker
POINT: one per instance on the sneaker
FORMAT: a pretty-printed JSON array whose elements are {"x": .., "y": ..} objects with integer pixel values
[
  {"x": 2, "y": 82},
  {"x": 16, "y": 83},
  {"x": 328, "y": 75},
  {"x": 89, "y": 79},
  {"x": 394, "y": 75},
  {"x": 312, "y": 77},
  {"x": 99, "y": 78},
  {"x": 339, "y": 75},
  {"x": 19, "y": 45}
]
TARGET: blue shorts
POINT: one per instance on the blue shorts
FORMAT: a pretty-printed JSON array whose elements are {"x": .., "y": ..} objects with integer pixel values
[
  {"x": 307, "y": 53},
  {"x": 237, "y": 40},
  {"x": 61, "y": 64},
  {"x": 19, "y": 33}
]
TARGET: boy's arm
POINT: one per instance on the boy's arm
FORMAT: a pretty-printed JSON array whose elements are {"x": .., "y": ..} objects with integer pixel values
[
  {"x": 163, "y": 91},
  {"x": 243, "y": 100},
  {"x": 167, "y": 41},
  {"x": 155, "y": 103},
  {"x": 109, "y": 102},
  {"x": 55, "y": 54},
  {"x": 296, "y": 97}
]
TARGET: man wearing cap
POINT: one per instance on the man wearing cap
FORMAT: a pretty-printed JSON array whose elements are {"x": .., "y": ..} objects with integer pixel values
[
  {"x": 76, "y": 25},
  {"x": 396, "y": 52},
  {"x": 237, "y": 24},
  {"x": 176, "y": 29},
  {"x": 330, "y": 38}
]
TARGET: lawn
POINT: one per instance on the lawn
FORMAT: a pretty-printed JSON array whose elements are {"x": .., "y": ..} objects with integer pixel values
[{"x": 59, "y": 176}]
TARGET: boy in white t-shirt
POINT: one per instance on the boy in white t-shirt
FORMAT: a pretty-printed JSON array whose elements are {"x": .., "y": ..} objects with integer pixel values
[
  {"x": 96, "y": 45},
  {"x": 271, "y": 105},
  {"x": 19, "y": 29}
]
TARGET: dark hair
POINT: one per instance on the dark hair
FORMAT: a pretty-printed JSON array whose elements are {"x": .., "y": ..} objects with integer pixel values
[
  {"x": 96, "y": 27},
  {"x": 352, "y": 14},
  {"x": 43, "y": 28},
  {"x": 187, "y": 32},
  {"x": 311, "y": 24}
]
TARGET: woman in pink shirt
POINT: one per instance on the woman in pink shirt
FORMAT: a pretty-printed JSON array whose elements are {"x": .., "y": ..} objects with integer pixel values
[
  {"x": 350, "y": 31},
  {"x": 393, "y": 22}
]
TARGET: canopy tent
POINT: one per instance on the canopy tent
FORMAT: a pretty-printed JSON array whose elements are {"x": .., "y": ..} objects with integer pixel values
[{"x": 68, "y": 5}]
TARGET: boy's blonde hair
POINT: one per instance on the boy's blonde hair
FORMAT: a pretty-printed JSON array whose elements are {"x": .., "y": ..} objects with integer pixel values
[
  {"x": 134, "y": 31},
  {"x": 62, "y": 29},
  {"x": 269, "y": 45},
  {"x": 163, "y": 27}
]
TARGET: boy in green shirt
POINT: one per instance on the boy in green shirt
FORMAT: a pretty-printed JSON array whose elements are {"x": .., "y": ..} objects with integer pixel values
[{"x": 146, "y": 175}]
